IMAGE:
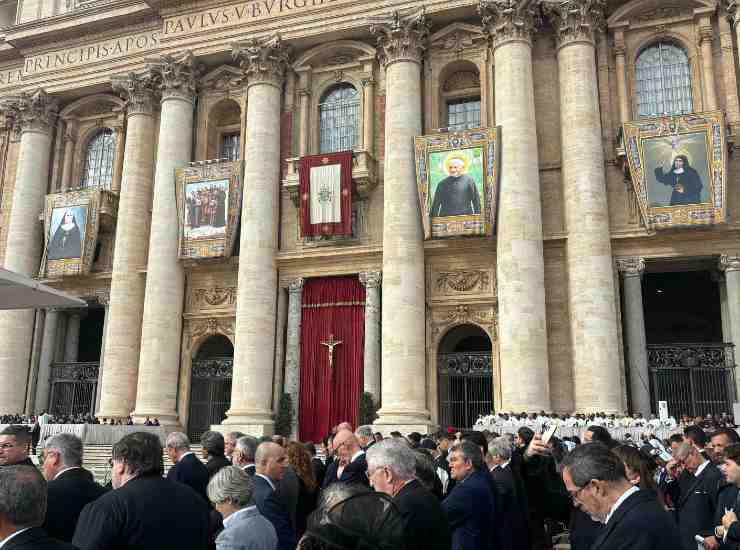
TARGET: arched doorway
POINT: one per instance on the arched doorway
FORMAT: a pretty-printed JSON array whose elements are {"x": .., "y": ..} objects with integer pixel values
[
  {"x": 210, "y": 385},
  {"x": 465, "y": 376}
]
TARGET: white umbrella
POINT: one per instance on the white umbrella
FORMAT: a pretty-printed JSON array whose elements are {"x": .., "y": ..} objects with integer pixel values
[{"x": 21, "y": 292}]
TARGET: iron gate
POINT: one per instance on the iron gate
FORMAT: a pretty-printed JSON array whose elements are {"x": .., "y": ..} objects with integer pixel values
[
  {"x": 465, "y": 385},
  {"x": 73, "y": 388},
  {"x": 210, "y": 394},
  {"x": 695, "y": 379}
]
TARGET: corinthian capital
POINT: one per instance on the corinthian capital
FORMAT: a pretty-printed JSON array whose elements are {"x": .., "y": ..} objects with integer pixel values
[
  {"x": 262, "y": 60},
  {"x": 400, "y": 38},
  {"x": 575, "y": 20},
  {"x": 176, "y": 76},
  {"x": 505, "y": 20},
  {"x": 731, "y": 9},
  {"x": 139, "y": 91},
  {"x": 371, "y": 279},
  {"x": 729, "y": 262},
  {"x": 631, "y": 267},
  {"x": 34, "y": 112}
]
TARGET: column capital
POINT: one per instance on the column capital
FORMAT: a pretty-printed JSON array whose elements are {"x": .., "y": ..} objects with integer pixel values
[
  {"x": 729, "y": 262},
  {"x": 508, "y": 20},
  {"x": 400, "y": 37},
  {"x": 263, "y": 61},
  {"x": 296, "y": 285},
  {"x": 33, "y": 112},
  {"x": 139, "y": 91},
  {"x": 631, "y": 267},
  {"x": 371, "y": 279},
  {"x": 576, "y": 20},
  {"x": 176, "y": 75},
  {"x": 732, "y": 12}
]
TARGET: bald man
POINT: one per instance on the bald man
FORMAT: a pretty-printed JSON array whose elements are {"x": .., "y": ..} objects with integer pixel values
[
  {"x": 347, "y": 448},
  {"x": 270, "y": 460}
]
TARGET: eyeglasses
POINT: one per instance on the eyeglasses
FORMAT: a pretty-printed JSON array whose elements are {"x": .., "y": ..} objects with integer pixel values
[{"x": 575, "y": 495}]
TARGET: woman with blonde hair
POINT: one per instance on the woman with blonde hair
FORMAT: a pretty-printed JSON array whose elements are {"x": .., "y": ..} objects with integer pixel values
[{"x": 300, "y": 460}]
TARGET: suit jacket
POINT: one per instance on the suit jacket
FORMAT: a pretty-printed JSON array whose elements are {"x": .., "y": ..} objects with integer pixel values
[
  {"x": 251, "y": 469},
  {"x": 287, "y": 491},
  {"x": 249, "y": 531},
  {"x": 470, "y": 511},
  {"x": 319, "y": 470},
  {"x": 425, "y": 523},
  {"x": 146, "y": 513},
  {"x": 68, "y": 494},
  {"x": 274, "y": 510},
  {"x": 36, "y": 539},
  {"x": 330, "y": 475},
  {"x": 695, "y": 502},
  {"x": 640, "y": 523},
  {"x": 191, "y": 472},
  {"x": 728, "y": 497},
  {"x": 215, "y": 463},
  {"x": 356, "y": 471},
  {"x": 513, "y": 533}
]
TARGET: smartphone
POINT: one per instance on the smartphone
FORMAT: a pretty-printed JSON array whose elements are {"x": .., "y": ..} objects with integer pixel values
[{"x": 550, "y": 431}]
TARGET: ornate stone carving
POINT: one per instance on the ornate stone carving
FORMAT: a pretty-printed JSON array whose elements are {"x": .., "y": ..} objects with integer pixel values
[
  {"x": 35, "y": 112},
  {"x": 371, "y": 279},
  {"x": 505, "y": 20},
  {"x": 576, "y": 20},
  {"x": 462, "y": 80},
  {"x": 139, "y": 91},
  {"x": 400, "y": 38},
  {"x": 483, "y": 315},
  {"x": 729, "y": 262},
  {"x": 732, "y": 12},
  {"x": 262, "y": 61},
  {"x": 662, "y": 13},
  {"x": 212, "y": 325},
  {"x": 177, "y": 76},
  {"x": 631, "y": 267},
  {"x": 296, "y": 285},
  {"x": 215, "y": 296},
  {"x": 463, "y": 281}
]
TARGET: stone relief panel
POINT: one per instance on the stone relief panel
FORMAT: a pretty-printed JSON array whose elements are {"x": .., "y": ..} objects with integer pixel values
[
  {"x": 456, "y": 280},
  {"x": 210, "y": 292},
  {"x": 444, "y": 318}
]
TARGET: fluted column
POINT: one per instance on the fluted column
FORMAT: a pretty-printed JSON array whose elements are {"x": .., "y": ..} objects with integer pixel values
[
  {"x": 592, "y": 298},
  {"x": 635, "y": 340},
  {"x": 368, "y": 113},
  {"x": 36, "y": 115},
  {"x": 401, "y": 45},
  {"x": 159, "y": 360},
  {"x": 371, "y": 364},
  {"x": 121, "y": 350},
  {"x": 620, "y": 53},
  {"x": 72, "y": 337},
  {"x": 293, "y": 349},
  {"x": 520, "y": 262},
  {"x": 70, "y": 138},
  {"x": 706, "y": 33},
  {"x": 48, "y": 347},
  {"x": 263, "y": 64},
  {"x": 730, "y": 264}
]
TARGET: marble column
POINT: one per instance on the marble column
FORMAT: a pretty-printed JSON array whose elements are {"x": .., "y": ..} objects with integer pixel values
[
  {"x": 159, "y": 360},
  {"x": 730, "y": 264},
  {"x": 263, "y": 64},
  {"x": 591, "y": 281},
  {"x": 121, "y": 351},
  {"x": 706, "y": 33},
  {"x": 368, "y": 113},
  {"x": 72, "y": 337},
  {"x": 48, "y": 347},
  {"x": 101, "y": 365},
  {"x": 70, "y": 138},
  {"x": 401, "y": 42},
  {"x": 620, "y": 53},
  {"x": 635, "y": 340},
  {"x": 520, "y": 262},
  {"x": 293, "y": 349},
  {"x": 35, "y": 114},
  {"x": 371, "y": 363}
]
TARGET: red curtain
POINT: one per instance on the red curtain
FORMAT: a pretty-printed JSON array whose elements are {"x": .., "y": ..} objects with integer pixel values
[
  {"x": 344, "y": 159},
  {"x": 331, "y": 306}
]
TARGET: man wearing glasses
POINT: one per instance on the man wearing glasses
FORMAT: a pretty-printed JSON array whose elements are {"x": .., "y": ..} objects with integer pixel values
[{"x": 14, "y": 442}]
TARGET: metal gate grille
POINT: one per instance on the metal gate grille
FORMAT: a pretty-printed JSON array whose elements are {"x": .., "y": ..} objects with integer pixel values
[
  {"x": 465, "y": 382},
  {"x": 73, "y": 388},
  {"x": 695, "y": 379},
  {"x": 210, "y": 394}
]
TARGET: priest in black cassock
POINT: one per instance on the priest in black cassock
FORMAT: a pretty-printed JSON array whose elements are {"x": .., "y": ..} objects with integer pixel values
[{"x": 457, "y": 194}]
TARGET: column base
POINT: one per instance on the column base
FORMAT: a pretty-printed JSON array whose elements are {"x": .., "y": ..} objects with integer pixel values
[
  {"x": 403, "y": 421},
  {"x": 254, "y": 423},
  {"x": 255, "y": 430}
]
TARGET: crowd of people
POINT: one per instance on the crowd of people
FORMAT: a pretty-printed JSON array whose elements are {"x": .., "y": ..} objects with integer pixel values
[{"x": 469, "y": 490}]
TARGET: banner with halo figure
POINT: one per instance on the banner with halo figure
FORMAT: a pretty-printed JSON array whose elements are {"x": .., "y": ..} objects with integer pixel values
[
  {"x": 457, "y": 177},
  {"x": 678, "y": 168}
]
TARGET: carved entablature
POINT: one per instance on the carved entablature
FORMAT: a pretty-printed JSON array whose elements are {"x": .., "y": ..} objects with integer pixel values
[{"x": 445, "y": 318}]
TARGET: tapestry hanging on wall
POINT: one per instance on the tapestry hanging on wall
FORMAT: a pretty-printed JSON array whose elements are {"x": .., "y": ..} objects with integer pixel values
[
  {"x": 677, "y": 165},
  {"x": 209, "y": 198},
  {"x": 325, "y": 183}
]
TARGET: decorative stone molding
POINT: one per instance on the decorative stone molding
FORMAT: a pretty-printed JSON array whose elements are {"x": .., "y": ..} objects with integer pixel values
[
  {"x": 262, "y": 61},
  {"x": 482, "y": 315},
  {"x": 371, "y": 279},
  {"x": 177, "y": 76},
  {"x": 139, "y": 91},
  {"x": 34, "y": 112},
  {"x": 214, "y": 296},
  {"x": 463, "y": 281},
  {"x": 576, "y": 20},
  {"x": 506, "y": 20},
  {"x": 400, "y": 38},
  {"x": 209, "y": 327},
  {"x": 296, "y": 285},
  {"x": 456, "y": 39},
  {"x": 729, "y": 262},
  {"x": 631, "y": 267}
]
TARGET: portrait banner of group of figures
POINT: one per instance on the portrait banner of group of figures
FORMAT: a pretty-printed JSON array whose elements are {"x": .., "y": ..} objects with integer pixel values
[
  {"x": 209, "y": 205},
  {"x": 457, "y": 176},
  {"x": 678, "y": 167},
  {"x": 71, "y": 223}
]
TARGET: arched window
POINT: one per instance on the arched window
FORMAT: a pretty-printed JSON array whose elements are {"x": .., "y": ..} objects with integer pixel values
[
  {"x": 461, "y": 100},
  {"x": 98, "y": 167},
  {"x": 339, "y": 115},
  {"x": 663, "y": 78}
]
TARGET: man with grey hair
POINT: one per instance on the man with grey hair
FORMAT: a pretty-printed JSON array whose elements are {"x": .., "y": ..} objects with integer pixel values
[
  {"x": 22, "y": 508},
  {"x": 70, "y": 486},
  {"x": 187, "y": 469},
  {"x": 364, "y": 435},
  {"x": 390, "y": 470},
  {"x": 230, "y": 442},
  {"x": 231, "y": 493},
  {"x": 244, "y": 451},
  {"x": 513, "y": 510}
]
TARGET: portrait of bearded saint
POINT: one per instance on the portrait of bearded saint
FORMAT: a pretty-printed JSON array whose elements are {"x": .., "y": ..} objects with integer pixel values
[
  {"x": 457, "y": 194},
  {"x": 684, "y": 180}
]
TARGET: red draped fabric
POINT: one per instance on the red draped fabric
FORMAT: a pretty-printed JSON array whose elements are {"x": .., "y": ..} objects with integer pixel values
[
  {"x": 331, "y": 306},
  {"x": 344, "y": 159}
]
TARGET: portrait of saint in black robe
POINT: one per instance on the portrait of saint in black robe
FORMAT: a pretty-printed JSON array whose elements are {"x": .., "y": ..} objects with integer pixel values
[
  {"x": 67, "y": 240},
  {"x": 684, "y": 180},
  {"x": 457, "y": 194}
]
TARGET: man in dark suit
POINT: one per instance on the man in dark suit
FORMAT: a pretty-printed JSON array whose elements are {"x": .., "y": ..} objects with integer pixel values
[
  {"x": 70, "y": 486},
  {"x": 270, "y": 461},
  {"x": 213, "y": 450},
  {"x": 727, "y": 526},
  {"x": 14, "y": 442},
  {"x": 391, "y": 471},
  {"x": 512, "y": 517},
  {"x": 144, "y": 510},
  {"x": 188, "y": 469},
  {"x": 597, "y": 483},
  {"x": 243, "y": 454},
  {"x": 347, "y": 448},
  {"x": 319, "y": 469}
]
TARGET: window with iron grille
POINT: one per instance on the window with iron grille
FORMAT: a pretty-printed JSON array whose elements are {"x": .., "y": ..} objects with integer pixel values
[
  {"x": 663, "y": 81},
  {"x": 229, "y": 146},
  {"x": 463, "y": 114},
  {"x": 339, "y": 119},
  {"x": 98, "y": 167}
]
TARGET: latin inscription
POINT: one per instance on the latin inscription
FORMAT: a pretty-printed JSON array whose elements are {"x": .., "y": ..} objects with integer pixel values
[{"x": 9, "y": 77}]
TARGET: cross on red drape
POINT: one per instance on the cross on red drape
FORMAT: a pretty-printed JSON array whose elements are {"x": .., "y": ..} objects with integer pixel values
[{"x": 334, "y": 305}]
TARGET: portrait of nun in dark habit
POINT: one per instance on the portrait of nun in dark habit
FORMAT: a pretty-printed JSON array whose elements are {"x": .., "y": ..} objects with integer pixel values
[{"x": 67, "y": 240}]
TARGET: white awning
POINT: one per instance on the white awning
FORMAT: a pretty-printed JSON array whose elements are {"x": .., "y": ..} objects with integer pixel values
[{"x": 21, "y": 292}]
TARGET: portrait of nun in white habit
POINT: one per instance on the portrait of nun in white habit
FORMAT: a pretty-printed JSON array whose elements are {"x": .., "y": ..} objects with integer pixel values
[{"x": 67, "y": 240}]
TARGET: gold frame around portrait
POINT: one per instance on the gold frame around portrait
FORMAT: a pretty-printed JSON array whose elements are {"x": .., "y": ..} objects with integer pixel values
[
  {"x": 711, "y": 126},
  {"x": 468, "y": 225}
]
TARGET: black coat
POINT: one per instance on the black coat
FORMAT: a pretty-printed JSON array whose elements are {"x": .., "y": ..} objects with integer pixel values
[
  {"x": 640, "y": 523},
  {"x": 728, "y": 498},
  {"x": 191, "y": 472},
  {"x": 512, "y": 532},
  {"x": 695, "y": 499},
  {"x": 68, "y": 494},
  {"x": 274, "y": 510},
  {"x": 36, "y": 539},
  {"x": 330, "y": 474},
  {"x": 426, "y": 524},
  {"x": 470, "y": 511},
  {"x": 146, "y": 513},
  {"x": 215, "y": 463},
  {"x": 319, "y": 470},
  {"x": 356, "y": 471}
]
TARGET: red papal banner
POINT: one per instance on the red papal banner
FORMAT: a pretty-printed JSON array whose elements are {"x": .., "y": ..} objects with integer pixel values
[{"x": 326, "y": 194}]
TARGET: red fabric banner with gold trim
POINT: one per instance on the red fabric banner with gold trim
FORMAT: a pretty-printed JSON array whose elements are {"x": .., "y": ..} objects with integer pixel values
[{"x": 326, "y": 194}]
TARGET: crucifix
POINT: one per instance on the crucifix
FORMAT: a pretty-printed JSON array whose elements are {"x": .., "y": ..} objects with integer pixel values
[{"x": 331, "y": 343}]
